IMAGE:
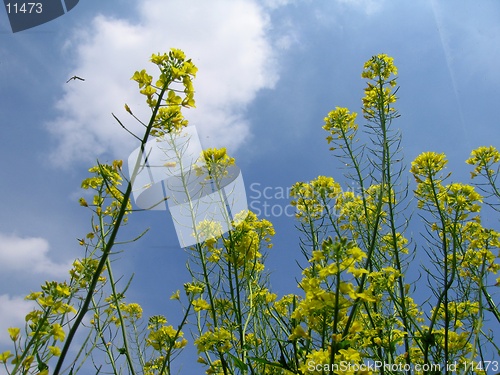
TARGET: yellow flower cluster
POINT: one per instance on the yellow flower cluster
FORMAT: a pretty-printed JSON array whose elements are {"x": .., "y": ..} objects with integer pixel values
[
  {"x": 379, "y": 67},
  {"x": 53, "y": 297},
  {"x": 312, "y": 199},
  {"x": 428, "y": 165},
  {"x": 389, "y": 243},
  {"x": 105, "y": 182},
  {"x": 286, "y": 304},
  {"x": 357, "y": 211},
  {"x": 378, "y": 94},
  {"x": 174, "y": 69},
  {"x": 340, "y": 123},
  {"x": 384, "y": 279},
  {"x": 457, "y": 311},
  {"x": 217, "y": 340},
  {"x": 200, "y": 304},
  {"x": 329, "y": 290},
  {"x": 262, "y": 296},
  {"x": 131, "y": 312},
  {"x": 83, "y": 271},
  {"x": 163, "y": 338},
  {"x": 169, "y": 119},
  {"x": 477, "y": 257},
  {"x": 44, "y": 327},
  {"x": 207, "y": 230},
  {"x": 215, "y": 164},
  {"x": 194, "y": 288},
  {"x": 457, "y": 200},
  {"x": 483, "y": 159},
  {"x": 242, "y": 246},
  {"x": 460, "y": 198}
]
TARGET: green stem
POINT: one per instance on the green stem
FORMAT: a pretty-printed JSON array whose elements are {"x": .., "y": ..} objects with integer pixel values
[
  {"x": 116, "y": 300},
  {"x": 111, "y": 241},
  {"x": 166, "y": 362}
]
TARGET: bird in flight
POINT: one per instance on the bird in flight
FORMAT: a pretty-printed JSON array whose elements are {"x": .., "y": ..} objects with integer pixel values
[{"x": 75, "y": 77}]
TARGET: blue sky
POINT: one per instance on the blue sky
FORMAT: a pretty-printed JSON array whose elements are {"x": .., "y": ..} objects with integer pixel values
[{"x": 269, "y": 71}]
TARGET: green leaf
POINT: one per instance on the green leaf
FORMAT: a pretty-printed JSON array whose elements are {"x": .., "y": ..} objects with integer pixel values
[{"x": 238, "y": 362}]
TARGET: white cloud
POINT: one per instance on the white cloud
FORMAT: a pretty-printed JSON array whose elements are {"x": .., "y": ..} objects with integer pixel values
[
  {"x": 226, "y": 40},
  {"x": 28, "y": 256},
  {"x": 23, "y": 261},
  {"x": 12, "y": 313}
]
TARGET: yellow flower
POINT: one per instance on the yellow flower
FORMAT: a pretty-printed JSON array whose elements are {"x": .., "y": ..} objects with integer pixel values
[
  {"x": 134, "y": 310},
  {"x": 350, "y": 354},
  {"x": 317, "y": 256},
  {"x": 298, "y": 332},
  {"x": 142, "y": 78},
  {"x": 55, "y": 351},
  {"x": 462, "y": 197},
  {"x": 483, "y": 157},
  {"x": 13, "y": 333},
  {"x": 330, "y": 269},
  {"x": 176, "y": 295},
  {"x": 365, "y": 296},
  {"x": 58, "y": 332},
  {"x": 177, "y": 54},
  {"x": 63, "y": 290},
  {"x": 315, "y": 361},
  {"x": 378, "y": 94},
  {"x": 347, "y": 288},
  {"x": 208, "y": 230},
  {"x": 271, "y": 297},
  {"x": 356, "y": 253},
  {"x": 180, "y": 344},
  {"x": 28, "y": 361},
  {"x": 340, "y": 123},
  {"x": 357, "y": 272},
  {"x": 5, "y": 356},
  {"x": 200, "y": 304},
  {"x": 355, "y": 327},
  {"x": 193, "y": 288},
  {"x": 219, "y": 339},
  {"x": 163, "y": 338},
  {"x": 148, "y": 91},
  {"x": 428, "y": 164},
  {"x": 381, "y": 66},
  {"x": 33, "y": 296},
  {"x": 159, "y": 59}
]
